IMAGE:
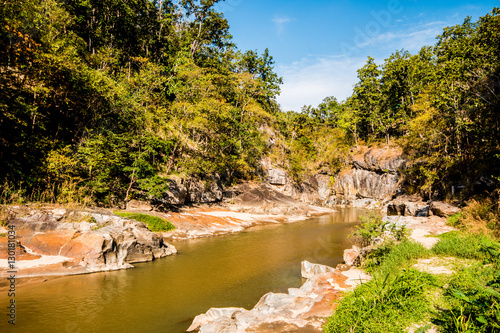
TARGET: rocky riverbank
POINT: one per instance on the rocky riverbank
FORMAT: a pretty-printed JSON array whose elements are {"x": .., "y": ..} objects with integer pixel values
[
  {"x": 56, "y": 241},
  {"x": 306, "y": 309},
  {"x": 302, "y": 309}
]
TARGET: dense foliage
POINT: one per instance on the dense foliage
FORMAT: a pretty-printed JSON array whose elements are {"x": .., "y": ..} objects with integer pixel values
[
  {"x": 101, "y": 101},
  {"x": 442, "y": 105},
  {"x": 403, "y": 296}
]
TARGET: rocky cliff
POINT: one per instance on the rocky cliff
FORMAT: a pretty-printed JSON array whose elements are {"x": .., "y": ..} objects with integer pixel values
[{"x": 373, "y": 175}]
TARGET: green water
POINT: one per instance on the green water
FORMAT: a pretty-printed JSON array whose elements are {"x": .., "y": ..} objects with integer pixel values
[{"x": 165, "y": 295}]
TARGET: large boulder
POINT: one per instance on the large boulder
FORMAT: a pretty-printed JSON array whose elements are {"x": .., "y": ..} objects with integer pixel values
[
  {"x": 406, "y": 205},
  {"x": 177, "y": 193},
  {"x": 108, "y": 242},
  {"x": 205, "y": 191},
  {"x": 443, "y": 209},
  {"x": 277, "y": 176},
  {"x": 309, "y": 270},
  {"x": 352, "y": 256}
]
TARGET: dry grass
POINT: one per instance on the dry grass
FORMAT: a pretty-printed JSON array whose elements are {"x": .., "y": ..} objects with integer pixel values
[{"x": 479, "y": 217}]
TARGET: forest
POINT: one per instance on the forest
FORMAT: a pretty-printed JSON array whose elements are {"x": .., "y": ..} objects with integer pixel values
[{"x": 101, "y": 101}]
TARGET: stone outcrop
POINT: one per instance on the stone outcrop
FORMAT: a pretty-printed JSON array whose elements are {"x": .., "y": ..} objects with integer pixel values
[
  {"x": 443, "y": 209},
  {"x": 177, "y": 193},
  {"x": 269, "y": 200},
  {"x": 277, "y": 177},
  {"x": 191, "y": 191},
  {"x": 374, "y": 175},
  {"x": 301, "y": 309},
  {"x": 407, "y": 205},
  {"x": 92, "y": 241}
]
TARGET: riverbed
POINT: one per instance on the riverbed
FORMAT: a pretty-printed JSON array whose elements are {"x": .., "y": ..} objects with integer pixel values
[{"x": 165, "y": 295}]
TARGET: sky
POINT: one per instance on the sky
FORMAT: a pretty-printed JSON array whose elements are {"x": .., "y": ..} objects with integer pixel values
[{"x": 318, "y": 45}]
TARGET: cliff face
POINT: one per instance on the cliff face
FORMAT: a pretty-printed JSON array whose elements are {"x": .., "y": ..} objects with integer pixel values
[{"x": 373, "y": 175}]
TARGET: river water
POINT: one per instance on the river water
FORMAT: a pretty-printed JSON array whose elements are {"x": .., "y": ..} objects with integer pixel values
[{"x": 165, "y": 295}]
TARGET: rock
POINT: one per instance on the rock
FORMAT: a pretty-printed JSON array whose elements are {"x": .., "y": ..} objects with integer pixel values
[
  {"x": 352, "y": 256},
  {"x": 343, "y": 267},
  {"x": 356, "y": 183},
  {"x": 406, "y": 205},
  {"x": 381, "y": 160},
  {"x": 308, "y": 270},
  {"x": 206, "y": 191},
  {"x": 177, "y": 193},
  {"x": 211, "y": 315},
  {"x": 303, "y": 309},
  {"x": 275, "y": 211},
  {"x": 277, "y": 177},
  {"x": 139, "y": 205},
  {"x": 114, "y": 243},
  {"x": 443, "y": 209},
  {"x": 396, "y": 208}
]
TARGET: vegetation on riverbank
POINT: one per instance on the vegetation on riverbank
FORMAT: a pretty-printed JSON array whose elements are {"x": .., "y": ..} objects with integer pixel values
[
  {"x": 454, "y": 287},
  {"x": 154, "y": 223},
  {"x": 103, "y": 101}
]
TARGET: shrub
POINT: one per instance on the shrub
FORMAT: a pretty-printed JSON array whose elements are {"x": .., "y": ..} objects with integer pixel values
[
  {"x": 478, "y": 217},
  {"x": 154, "y": 223},
  {"x": 371, "y": 228}
]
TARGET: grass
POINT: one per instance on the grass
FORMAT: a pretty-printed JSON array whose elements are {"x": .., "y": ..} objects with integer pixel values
[
  {"x": 461, "y": 245},
  {"x": 387, "y": 303},
  {"x": 400, "y": 297},
  {"x": 154, "y": 223}
]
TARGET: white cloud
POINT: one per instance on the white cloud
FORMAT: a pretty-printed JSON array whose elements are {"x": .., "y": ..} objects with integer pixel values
[
  {"x": 309, "y": 81},
  {"x": 411, "y": 40},
  {"x": 280, "y": 22}
]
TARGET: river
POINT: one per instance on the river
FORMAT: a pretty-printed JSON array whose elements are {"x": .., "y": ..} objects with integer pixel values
[{"x": 165, "y": 295}]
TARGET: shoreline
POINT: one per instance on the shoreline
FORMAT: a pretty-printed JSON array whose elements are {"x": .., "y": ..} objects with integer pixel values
[
  {"x": 310, "y": 306},
  {"x": 191, "y": 222}
]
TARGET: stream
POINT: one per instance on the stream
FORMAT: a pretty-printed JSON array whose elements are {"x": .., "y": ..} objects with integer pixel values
[{"x": 165, "y": 295}]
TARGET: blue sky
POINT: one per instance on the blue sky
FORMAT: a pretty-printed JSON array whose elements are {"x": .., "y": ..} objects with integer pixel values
[{"x": 318, "y": 45}]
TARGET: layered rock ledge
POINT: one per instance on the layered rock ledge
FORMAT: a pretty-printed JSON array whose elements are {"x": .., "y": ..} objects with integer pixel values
[
  {"x": 303, "y": 309},
  {"x": 66, "y": 242}
]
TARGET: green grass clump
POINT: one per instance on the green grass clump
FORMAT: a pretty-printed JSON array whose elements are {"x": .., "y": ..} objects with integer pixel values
[
  {"x": 154, "y": 223},
  {"x": 393, "y": 257},
  {"x": 460, "y": 245},
  {"x": 385, "y": 304},
  {"x": 394, "y": 299}
]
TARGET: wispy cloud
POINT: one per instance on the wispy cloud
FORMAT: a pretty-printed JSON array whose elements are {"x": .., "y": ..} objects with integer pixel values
[
  {"x": 411, "y": 40},
  {"x": 310, "y": 80},
  {"x": 280, "y": 22}
]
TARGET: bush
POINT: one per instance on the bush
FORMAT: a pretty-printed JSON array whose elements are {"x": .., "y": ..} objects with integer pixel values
[
  {"x": 154, "y": 223},
  {"x": 478, "y": 217},
  {"x": 372, "y": 228}
]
